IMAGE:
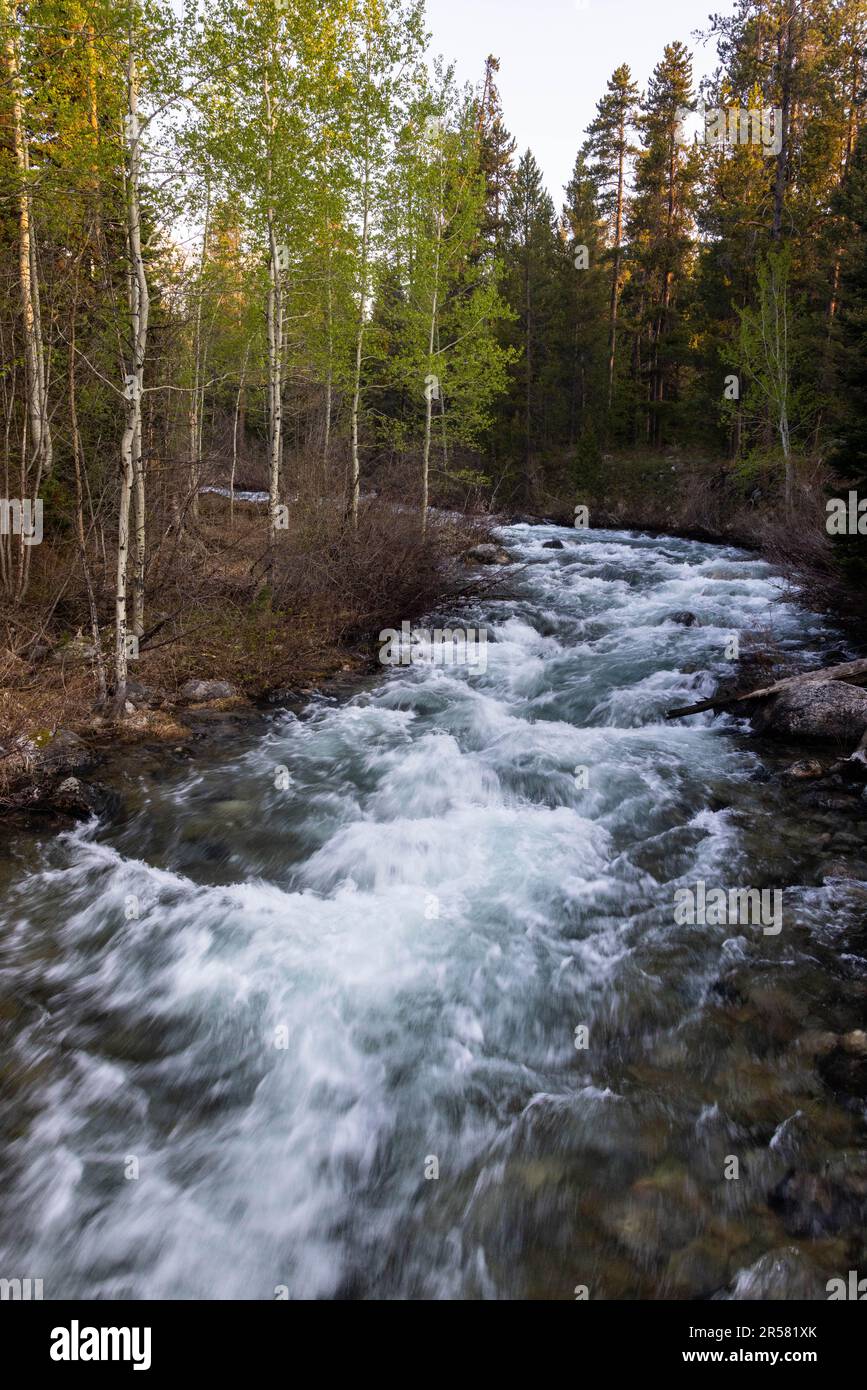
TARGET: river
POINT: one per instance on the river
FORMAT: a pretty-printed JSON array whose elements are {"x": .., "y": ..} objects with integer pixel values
[{"x": 302, "y": 1021}]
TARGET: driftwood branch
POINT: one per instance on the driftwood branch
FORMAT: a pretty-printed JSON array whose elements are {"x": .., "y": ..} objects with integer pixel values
[{"x": 852, "y": 672}]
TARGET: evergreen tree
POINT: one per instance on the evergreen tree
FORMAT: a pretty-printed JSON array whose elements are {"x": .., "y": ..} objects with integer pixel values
[
  {"x": 661, "y": 226},
  {"x": 533, "y": 258},
  {"x": 610, "y": 145},
  {"x": 496, "y": 151},
  {"x": 584, "y": 231}
]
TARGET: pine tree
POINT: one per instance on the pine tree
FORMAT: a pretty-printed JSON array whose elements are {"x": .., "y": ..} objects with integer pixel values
[
  {"x": 610, "y": 145},
  {"x": 661, "y": 225},
  {"x": 496, "y": 151},
  {"x": 533, "y": 253},
  {"x": 584, "y": 231}
]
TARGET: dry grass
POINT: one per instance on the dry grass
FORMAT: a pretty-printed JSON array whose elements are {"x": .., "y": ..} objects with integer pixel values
[{"x": 222, "y": 606}]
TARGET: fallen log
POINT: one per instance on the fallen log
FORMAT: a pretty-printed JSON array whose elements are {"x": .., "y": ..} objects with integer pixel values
[{"x": 851, "y": 672}]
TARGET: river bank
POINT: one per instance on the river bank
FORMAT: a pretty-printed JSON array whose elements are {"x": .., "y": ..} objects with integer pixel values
[
  {"x": 238, "y": 642},
  {"x": 48, "y": 776},
  {"x": 324, "y": 982}
]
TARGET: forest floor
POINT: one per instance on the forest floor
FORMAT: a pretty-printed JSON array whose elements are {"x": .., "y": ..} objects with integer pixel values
[{"x": 260, "y": 628}]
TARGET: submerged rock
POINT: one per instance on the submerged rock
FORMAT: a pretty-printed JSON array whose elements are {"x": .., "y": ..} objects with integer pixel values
[
  {"x": 844, "y": 1071},
  {"x": 815, "y": 709},
  {"x": 552, "y": 545},
  {"x": 813, "y": 1205},
  {"x": 683, "y": 617}
]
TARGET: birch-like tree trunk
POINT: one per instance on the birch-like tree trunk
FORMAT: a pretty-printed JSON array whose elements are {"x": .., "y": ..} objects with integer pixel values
[
  {"x": 275, "y": 378},
  {"x": 78, "y": 463},
  {"x": 131, "y": 443},
  {"x": 429, "y": 387},
  {"x": 197, "y": 394},
  {"x": 39, "y": 457},
  {"x": 355, "y": 482},
  {"x": 275, "y": 340},
  {"x": 238, "y": 399}
]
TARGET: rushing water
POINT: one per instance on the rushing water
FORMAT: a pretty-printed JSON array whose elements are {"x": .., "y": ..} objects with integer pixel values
[{"x": 284, "y": 999}]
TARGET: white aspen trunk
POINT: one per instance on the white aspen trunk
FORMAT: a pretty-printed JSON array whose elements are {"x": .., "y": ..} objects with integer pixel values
[
  {"x": 355, "y": 482},
  {"x": 140, "y": 549},
  {"x": 235, "y": 436},
  {"x": 355, "y": 485},
  {"x": 275, "y": 345},
  {"x": 102, "y": 684},
  {"x": 197, "y": 393},
  {"x": 432, "y": 338},
  {"x": 329, "y": 376},
  {"x": 39, "y": 429},
  {"x": 428, "y": 416},
  {"x": 139, "y": 306},
  {"x": 275, "y": 379}
]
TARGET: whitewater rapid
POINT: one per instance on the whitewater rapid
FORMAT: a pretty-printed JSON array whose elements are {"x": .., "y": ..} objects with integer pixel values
[{"x": 303, "y": 1022}]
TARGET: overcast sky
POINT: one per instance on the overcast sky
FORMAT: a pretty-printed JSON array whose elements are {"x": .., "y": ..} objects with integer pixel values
[{"x": 556, "y": 56}]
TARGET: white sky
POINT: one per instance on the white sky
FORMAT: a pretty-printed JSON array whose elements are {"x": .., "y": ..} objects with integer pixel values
[{"x": 556, "y": 56}]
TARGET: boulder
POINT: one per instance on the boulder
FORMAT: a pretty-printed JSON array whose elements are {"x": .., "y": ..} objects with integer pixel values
[
  {"x": 683, "y": 617},
  {"x": 202, "y": 692},
  {"x": 815, "y": 709},
  {"x": 813, "y": 1205},
  {"x": 488, "y": 554},
  {"x": 804, "y": 771},
  {"x": 62, "y": 755},
  {"x": 140, "y": 694},
  {"x": 78, "y": 799},
  {"x": 552, "y": 545}
]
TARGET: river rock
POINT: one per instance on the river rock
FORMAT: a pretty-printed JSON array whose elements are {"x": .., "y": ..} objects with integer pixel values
[
  {"x": 488, "y": 554},
  {"x": 815, "y": 709},
  {"x": 64, "y": 754},
  {"x": 76, "y": 798},
  {"x": 812, "y": 1205},
  {"x": 139, "y": 694},
  {"x": 683, "y": 617},
  {"x": 804, "y": 771},
  {"x": 202, "y": 692},
  {"x": 552, "y": 545},
  {"x": 845, "y": 1072}
]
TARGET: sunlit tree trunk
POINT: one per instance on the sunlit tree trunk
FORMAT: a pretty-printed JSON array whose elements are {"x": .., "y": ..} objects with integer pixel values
[
  {"x": 39, "y": 441},
  {"x": 131, "y": 443}
]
